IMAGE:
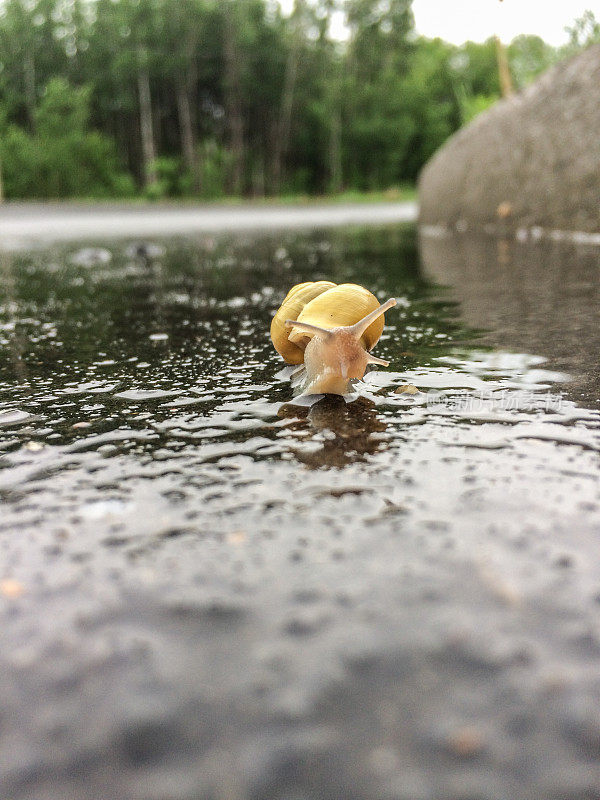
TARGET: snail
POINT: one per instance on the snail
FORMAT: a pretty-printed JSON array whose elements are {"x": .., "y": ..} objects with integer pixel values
[{"x": 331, "y": 329}]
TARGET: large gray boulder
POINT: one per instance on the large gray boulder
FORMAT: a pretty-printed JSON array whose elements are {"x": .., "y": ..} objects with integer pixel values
[{"x": 530, "y": 160}]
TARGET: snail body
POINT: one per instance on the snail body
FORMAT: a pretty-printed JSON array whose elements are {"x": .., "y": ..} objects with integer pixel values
[{"x": 331, "y": 329}]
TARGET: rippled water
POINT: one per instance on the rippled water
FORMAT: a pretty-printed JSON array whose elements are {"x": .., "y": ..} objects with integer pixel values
[
  {"x": 150, "y": 444},
  {"x": 157, "y": 358}
]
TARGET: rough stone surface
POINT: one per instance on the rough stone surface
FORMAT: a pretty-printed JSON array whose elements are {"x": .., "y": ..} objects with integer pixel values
[{"x": 531, "y": 160}]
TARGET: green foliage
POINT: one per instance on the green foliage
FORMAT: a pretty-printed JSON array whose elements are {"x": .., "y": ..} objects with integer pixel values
[
  {"x": 172, "y": 98},
  {"x": 472, "y": 106},
  {"x": 584, "y": 32},
  {"x": 528, "y": 57},
  {"x": 215, "y": 166},
  {"x": 432, "y": 103},
  {"x": 63, "y": 158},
  {"x": 480, "y": 71},
  {"x": 62, "y": 110},
  {"x": 170, "y": 179}
]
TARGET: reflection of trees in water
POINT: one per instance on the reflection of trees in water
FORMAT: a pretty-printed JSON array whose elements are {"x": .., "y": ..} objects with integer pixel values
[
  {"x": 540, "y": 297},
  {"x": 17, "y": 342},
  {"x": 346, "y": 432}
]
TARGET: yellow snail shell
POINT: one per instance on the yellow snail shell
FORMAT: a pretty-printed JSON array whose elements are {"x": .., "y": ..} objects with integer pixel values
[{"x": 330, "y": 329}]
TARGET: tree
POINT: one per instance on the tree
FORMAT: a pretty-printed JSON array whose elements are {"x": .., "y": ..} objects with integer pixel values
[
  {"x": 31, "y": 52},
  {"x": 584, "y": 32},
  {"x": 529, "y": 56},
  {"x": 233, "y": 94},
  {"x": 377, "y": 126},
  {"x": 63, "y": 158}
]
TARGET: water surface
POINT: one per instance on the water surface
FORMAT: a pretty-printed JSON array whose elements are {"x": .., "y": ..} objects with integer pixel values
[{"x": 351, "y": 599}]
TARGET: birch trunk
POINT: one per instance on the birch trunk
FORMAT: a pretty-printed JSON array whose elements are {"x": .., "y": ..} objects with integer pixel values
[
  {"x": 335, "y": 151},
  {"x": 506, "y": 86},
  {"x": 282, "y": 141},
  {"x": 234, "y": 103},
  {"x": 189, "y": 146},
  {"x": 30, "y": 94},
  {"x": 285, "y": 118},
  {"x": 146, "y": 128}
]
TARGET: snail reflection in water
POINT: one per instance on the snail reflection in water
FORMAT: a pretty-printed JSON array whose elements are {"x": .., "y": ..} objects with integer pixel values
[
  {"x": 333, "y": 433},
  {"x": 331, "y": 329}
]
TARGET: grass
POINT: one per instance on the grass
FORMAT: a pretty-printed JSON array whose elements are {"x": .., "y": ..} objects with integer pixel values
[{"x": 394, "y": 194}]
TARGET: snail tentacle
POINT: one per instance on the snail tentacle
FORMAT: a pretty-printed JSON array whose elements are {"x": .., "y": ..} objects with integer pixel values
[
  {"x": 379, "y": 361},
  {"x": 361, "y": 326},
  {"x": 306, "y": 327}
]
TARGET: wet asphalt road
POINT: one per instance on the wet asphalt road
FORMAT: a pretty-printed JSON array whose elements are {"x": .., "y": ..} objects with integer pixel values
[{"x": 208, "y": 593}]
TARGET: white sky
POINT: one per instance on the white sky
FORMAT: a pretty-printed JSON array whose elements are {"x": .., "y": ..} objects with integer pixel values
[{"x": 459, "y": 20}]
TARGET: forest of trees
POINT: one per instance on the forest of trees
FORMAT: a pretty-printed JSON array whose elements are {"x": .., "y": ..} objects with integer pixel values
[{"x": 208, "y": 98}]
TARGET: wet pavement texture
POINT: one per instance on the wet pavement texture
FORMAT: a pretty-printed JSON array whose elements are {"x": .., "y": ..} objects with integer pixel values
[{"x": 210, "y": 592}]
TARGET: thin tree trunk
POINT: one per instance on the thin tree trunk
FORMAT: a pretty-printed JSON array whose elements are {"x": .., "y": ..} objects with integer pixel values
[
  {"x": 282, "y": 140},
  {"x": 146, "y": 128},
  {"x": 30, "y": 93},
  {"x": 189, "y": 146},
  {"x": 270, "y": 160},
  {"x": 335, "y": 151},
  {"x": 285, "y": 118},
  {"x": 335, "y": 94},
  {"x": 506, "y": 86},
  {"x": 258, "y": 177},
  {"x": 234, "y": 103}
]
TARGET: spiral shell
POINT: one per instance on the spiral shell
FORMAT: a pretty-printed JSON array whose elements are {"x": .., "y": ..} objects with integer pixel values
[
  {"x": 326, "y": 305},
  {"x": 296, "y": 300}
]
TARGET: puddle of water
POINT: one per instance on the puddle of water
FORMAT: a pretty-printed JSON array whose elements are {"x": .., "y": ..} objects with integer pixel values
[
  {"x": 151, "y": 446},
  {"x": 537, "y": 297},
  {"x": 152, "y": 365}
]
